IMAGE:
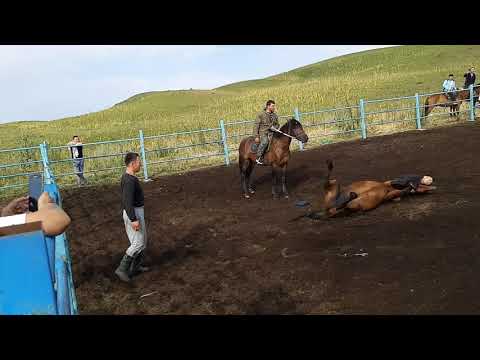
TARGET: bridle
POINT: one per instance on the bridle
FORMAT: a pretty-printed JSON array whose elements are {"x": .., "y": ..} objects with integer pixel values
[{"x": 281, "y": 132}]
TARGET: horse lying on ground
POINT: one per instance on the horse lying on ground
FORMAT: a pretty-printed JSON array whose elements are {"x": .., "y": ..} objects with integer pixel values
[
  {"x": 367, "y": 195},
  {"x": 277, "y": 156}
]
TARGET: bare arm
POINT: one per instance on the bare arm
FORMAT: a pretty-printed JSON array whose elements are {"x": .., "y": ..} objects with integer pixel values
[
  {"x": 54, "y": 220},
  {"x": 17, "y": 206}
]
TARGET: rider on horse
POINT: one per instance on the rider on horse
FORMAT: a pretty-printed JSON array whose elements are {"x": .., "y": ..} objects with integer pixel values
[
  {"x": 449, "y": 87},
  {"x": 469, "y": 78},
  {"x": 262, "y": 130}
]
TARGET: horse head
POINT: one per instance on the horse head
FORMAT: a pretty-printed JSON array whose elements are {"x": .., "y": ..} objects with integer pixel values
[{"x": 293, "y": 128}]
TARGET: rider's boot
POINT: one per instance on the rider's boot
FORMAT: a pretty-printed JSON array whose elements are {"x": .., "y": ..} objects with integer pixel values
[{"x": 261, "y": 149}]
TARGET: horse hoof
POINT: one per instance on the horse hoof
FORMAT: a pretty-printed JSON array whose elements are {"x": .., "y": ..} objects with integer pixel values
[
  {"x": 251, "y": 191},
  {"x": 286, "y": 196},
  {"x": 247, "y": 196}
]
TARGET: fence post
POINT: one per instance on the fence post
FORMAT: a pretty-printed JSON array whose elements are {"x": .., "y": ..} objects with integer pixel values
[
  {"x": 296, "y": 115},
  {"x": 417, "y": 110},
  {"x": 362, "y": 119},
  {"x": 144, "y": 157},
  {"x": 472, "y": 104},
  {"x": 46, "y": 163},
  {"x": 224, "y": 142}
]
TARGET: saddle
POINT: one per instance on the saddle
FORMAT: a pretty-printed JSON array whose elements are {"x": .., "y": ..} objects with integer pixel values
[
  {"x": 254, "y": 146},
  {"x": 452, "y": 96}
]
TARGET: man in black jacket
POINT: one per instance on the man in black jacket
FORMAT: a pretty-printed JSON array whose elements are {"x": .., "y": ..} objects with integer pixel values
[
  {"x": 134, "y": 219},
  {"x": 469, "y": 78}
]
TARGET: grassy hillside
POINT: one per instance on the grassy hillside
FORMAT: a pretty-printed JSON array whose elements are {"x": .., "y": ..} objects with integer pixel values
[{"x": 342, "y": 81}]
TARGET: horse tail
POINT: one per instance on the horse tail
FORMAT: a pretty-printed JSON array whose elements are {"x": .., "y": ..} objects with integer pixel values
[
  {"x": 242, "y": 153},
  {"x": 425, "y": 109}
]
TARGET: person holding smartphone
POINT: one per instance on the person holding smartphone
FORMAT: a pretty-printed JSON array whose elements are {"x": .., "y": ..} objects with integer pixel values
[
  {"x": 53, "y": 218},
  {"x": 76, "y": 151}
]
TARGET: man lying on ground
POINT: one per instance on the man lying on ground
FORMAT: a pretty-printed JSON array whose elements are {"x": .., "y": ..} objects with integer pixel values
[
  {"x": 54, "y": 220},
  {"x": 367, "y": 195}
]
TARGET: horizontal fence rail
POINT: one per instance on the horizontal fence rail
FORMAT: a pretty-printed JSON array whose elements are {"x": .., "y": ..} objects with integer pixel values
[{"x": 175, "y": 152}]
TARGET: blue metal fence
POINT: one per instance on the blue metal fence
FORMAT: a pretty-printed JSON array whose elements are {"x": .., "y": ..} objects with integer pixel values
[
  {"x": 64, "y": 286},
  {"x": 365, "y": 119}
]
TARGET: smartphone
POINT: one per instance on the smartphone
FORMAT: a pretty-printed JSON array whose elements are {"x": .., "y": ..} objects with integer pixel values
[{"x": 35, "y": 185}]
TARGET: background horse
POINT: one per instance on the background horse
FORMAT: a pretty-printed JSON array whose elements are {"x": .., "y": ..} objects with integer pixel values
[
  {"x": 277, "y": 156},
  {"x": 442, "y": 100}
]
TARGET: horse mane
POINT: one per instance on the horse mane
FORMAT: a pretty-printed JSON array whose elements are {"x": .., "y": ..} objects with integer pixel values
[{"x": 284, "y": 127}]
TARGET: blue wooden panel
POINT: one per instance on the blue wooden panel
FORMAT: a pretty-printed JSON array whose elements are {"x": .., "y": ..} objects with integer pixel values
[
  {"x": 50, "y": 245},
  {"x": 26, "y": 286}
]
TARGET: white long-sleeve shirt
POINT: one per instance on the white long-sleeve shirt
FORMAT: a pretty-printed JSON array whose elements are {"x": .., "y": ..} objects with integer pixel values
[{"x": 449, "y": 85}]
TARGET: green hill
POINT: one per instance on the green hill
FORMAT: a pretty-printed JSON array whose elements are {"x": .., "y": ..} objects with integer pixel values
[{"x": 380, "y": 73}]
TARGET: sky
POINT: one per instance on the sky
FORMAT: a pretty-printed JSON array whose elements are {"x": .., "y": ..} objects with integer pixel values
[{"x": 47, "y": 82}]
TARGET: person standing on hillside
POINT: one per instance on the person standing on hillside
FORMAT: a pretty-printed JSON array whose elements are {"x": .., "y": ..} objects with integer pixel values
[
  {"x": 262, "y": 129},
  {"x": 449, "y": 87},
  {"x": 134, "y": 220},
  {"x": 469, "y": 78},
  {"x": 76, "y": 151}
]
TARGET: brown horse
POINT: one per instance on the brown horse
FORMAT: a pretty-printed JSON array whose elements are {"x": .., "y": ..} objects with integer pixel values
[
  {"x": 277, "y": 156},
  {"x": 443, "y": 101},
  {"x": 365, "y": 195}
]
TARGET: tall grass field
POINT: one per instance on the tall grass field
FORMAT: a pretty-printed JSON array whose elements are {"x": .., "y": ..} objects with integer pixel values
[{"x": 338, "y": 83}]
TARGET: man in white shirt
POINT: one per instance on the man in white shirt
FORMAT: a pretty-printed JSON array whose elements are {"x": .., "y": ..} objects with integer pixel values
[
  {"x": 54, "y": 220},
  {"x": 450, "y": 88}
]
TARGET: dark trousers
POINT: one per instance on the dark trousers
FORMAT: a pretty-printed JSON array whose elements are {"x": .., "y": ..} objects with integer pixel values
[{"x": 264, "y": 140}]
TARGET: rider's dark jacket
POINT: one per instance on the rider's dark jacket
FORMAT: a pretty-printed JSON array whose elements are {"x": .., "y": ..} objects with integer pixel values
[
  {"x": 264, "y": 121},
  {"x": 404, "y": 181}
]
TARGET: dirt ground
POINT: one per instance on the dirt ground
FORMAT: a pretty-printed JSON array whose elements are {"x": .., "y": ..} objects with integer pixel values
[{"x": 213, "y": 252}]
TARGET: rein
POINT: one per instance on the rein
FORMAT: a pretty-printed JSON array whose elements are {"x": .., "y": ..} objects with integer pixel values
[{"x": 281, "y": 132}]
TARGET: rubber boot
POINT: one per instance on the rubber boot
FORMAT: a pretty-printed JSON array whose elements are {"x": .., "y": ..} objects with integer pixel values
[
  {"x": 261, "y": 149},
  {"x": 259, "y": 160},
  {"x": 123, "y": 269},
  {"x": 137, "y": 265}
]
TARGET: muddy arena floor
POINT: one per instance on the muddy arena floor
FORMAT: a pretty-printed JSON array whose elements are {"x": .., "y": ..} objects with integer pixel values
[{"x": 214, "y": 252}]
